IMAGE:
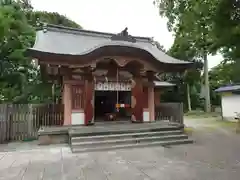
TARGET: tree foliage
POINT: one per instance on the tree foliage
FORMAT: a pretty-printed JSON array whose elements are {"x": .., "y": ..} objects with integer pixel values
[
  {"x": 206, "y": 27},
  {"x": 212, "y": 25},
  {"x": 191, "y": 21},
  {"x": 50, "y": 17},
  {"x": 15, "y": 36},
  {"x": 190, "y": 80},
  {"x": 221, "y": 75},
  {"x": 227, "y": 32},
  {"x": 20, "y": 80}
]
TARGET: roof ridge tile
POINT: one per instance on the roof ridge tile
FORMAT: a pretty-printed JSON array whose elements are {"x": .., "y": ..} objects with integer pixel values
[{"x": 60, "y": 28}]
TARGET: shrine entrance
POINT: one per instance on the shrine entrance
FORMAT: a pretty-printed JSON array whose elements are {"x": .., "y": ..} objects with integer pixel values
[
  {"x": 112, "y": 102},
  {"x": 106, "y": 75}
]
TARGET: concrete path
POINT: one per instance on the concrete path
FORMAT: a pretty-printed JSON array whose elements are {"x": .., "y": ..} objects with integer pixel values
[{"x": 215, "y": 155}]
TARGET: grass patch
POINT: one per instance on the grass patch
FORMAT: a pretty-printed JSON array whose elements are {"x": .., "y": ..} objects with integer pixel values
[
  {"x": 225, "y": 123},
  {"x": 229, "y": 125},
  {"x": 188, "y": 130},
  {"x": 201, "y": 114},
  {"x": 193, "y": 113}
]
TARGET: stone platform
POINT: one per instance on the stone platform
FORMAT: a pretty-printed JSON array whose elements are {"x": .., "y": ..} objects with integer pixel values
[{"x": 109, "y": 135}]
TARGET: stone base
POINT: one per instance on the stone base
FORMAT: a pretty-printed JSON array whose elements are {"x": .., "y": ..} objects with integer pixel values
[
  {"x": 55, "y": 135},
  {"x": 52, "y": 139}
]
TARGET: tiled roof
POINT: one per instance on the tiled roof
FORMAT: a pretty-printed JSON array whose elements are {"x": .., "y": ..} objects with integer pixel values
[
  {"x": 70, "y": 41},
  {"x": 228, "y": 88}
]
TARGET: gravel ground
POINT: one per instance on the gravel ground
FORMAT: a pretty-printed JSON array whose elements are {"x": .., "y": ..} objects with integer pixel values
[{"x": 215, "y": 155}]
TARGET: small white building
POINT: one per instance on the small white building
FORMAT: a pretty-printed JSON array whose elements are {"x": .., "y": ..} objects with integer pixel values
[{"x": 230, "y": 101}]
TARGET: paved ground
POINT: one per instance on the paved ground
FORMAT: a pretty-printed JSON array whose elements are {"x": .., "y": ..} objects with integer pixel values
[{"x": 215, "y": 155}]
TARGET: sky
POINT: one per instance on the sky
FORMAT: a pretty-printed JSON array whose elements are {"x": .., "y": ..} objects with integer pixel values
[{"x": 140, "y": 16}]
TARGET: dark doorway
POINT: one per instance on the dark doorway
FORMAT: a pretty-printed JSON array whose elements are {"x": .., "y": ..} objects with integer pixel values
[{"x": 105, "y": 102}]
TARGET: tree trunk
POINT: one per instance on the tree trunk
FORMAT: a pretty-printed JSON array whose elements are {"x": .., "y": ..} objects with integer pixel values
[
  {"x": 189, "y": 98},
  {"x": 207, "y": 92}
]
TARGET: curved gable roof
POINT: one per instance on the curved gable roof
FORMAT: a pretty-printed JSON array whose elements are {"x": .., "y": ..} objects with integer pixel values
[{"x": 70, "y": 41}]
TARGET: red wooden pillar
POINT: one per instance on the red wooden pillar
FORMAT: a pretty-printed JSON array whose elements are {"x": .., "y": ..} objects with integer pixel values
[
  {"x": 145, "y": 96},
  {"x": 67, "y": 98},
  {"x": 137, "y": 100},
  {"x": 151, "y": 104},
  {"x": 88, "y": 99}
]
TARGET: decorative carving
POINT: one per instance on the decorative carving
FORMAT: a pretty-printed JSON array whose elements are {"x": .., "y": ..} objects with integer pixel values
[
  {"x": 125, "y": 32},
  {"x": 77, "y": 70},
  {"x": 100, "y": 72},
  {"x": 122, "y": 61},
  {"x": 123, "y": 36},
  {"x": 77, "y": 77},
  {"x": 93, "y": 65},
  {"x": 125, "y": 74}
]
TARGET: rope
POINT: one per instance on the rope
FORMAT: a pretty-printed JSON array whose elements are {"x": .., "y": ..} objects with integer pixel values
[{"x": 117, "y": 91}]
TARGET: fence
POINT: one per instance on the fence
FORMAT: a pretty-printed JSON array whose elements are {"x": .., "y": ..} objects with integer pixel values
[
  {"x": 172, "y": 112},
  {"x": 22, "y": 121}
]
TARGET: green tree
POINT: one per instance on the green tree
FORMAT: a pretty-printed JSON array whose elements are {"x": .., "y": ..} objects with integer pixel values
[
  {"x": 188, "y": 83},
  {"x": 221, "y": 75},
  {"x": 51, "y": 18},
  {"x": 15, "y": 36},
  {"x": 20, "y": 80},
  {"x": 192, "y": 21},
  {"x": 227, "y": 31},
  {"x": 191, "y": 80}
]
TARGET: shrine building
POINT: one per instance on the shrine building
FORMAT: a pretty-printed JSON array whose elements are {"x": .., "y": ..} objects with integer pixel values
[{"x": 104, "y": 76}]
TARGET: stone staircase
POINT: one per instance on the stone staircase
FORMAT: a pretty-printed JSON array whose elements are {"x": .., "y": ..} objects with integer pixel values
[{"x": 118, "y": 139}]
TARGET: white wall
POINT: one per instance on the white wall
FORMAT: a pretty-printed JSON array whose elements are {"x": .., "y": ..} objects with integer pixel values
[
  {"x": 230, "y": 105},
  {"x": 78, "y": 118}
]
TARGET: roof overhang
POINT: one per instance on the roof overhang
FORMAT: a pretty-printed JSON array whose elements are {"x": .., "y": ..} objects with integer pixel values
[
  {"x": 108, "y": 50},
  {"x": 163, "y": 84},
  {"x": 231, "y": 88},
  {"x": 69, "y": 45}
]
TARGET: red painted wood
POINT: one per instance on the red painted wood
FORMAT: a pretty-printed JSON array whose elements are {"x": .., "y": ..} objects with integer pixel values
[
  {"x": 137, "y": 93},
  {"x": 77, "y": 97},
  {"x": 145, "y": 96},
  {"x": 88, "y": 108},
  {"x": 157, "y": 97}
]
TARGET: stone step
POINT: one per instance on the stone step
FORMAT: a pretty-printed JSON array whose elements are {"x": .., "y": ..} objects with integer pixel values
[
  {"x": 126, "y": 135},
  {"x": 133, "y": 145},
  {"x": 119, "y": 141},
  {"x": 103, "y": 131}
]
